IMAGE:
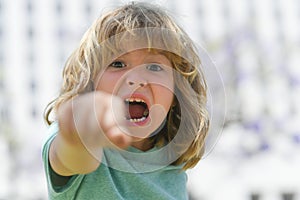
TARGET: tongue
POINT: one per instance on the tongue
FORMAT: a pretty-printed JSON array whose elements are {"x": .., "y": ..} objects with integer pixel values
[{"x": 136, "y": 111}]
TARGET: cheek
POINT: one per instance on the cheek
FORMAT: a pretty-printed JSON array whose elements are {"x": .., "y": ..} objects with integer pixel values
[
  {"x": 164, "y": 96},
  {"x": 106, "y": 82}
]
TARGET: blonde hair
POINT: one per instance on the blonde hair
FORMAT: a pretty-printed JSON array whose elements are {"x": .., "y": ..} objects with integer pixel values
[{"x": 96, "y": 49}]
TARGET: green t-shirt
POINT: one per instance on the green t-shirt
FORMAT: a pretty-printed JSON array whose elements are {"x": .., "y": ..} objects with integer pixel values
[{"x": 121, "y": 175}]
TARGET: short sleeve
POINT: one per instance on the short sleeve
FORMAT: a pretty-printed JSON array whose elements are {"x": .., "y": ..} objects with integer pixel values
[{"x": 64, "y": 192}]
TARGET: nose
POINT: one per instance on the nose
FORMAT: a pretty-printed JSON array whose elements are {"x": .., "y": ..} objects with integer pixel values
[{"x": 136, "y": 81}]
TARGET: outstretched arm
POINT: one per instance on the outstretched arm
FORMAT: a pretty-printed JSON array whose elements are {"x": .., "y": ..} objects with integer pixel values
[{"x": 86, "y": 125}]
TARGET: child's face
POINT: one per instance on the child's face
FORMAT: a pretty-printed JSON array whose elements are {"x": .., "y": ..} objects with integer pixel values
[{"x": 144, "y": 80}]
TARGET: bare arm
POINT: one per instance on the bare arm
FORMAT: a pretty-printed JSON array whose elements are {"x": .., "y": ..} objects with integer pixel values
[{"x": 87, "y": 124}]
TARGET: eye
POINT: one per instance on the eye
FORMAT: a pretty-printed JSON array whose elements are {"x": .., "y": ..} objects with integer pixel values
[
  {"x": 154, "y": 67},
  {"x": 117, "y": 64}
]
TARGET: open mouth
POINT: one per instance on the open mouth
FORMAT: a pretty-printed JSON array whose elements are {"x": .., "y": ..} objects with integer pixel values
[{"x": 136, "y": 110}]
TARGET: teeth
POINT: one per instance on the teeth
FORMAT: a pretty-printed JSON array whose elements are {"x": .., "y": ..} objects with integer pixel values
[
  {"x": 134, "y": 100},
  {"x": 137, "y": 120}
]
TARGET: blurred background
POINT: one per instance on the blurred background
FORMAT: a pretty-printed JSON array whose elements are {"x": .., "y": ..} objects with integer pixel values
[{"x": 255, "y": 46}]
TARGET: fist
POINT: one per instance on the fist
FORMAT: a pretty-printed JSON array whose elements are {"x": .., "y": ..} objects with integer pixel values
[{"x": 99, "y": 120}]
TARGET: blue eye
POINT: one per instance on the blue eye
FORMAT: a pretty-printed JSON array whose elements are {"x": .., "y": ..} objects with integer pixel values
[
  {"x": 117, "y": 64},
  {"x": 154, "y": 67}
]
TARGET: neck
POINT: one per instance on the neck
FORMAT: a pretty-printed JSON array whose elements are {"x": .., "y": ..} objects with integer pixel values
[{"x": 143, "y": 145}]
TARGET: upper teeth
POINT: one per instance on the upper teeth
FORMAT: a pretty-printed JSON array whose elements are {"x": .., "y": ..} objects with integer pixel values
[{"x": 134, "y": 100}]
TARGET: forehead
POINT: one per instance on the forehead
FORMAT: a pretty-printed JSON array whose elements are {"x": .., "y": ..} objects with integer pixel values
[
  {"x": 149, "y": 52},
  {"x": 153, "y": 39},
  {"x": 156, "y": 41},
  {"x": 147, "y": 55}
]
